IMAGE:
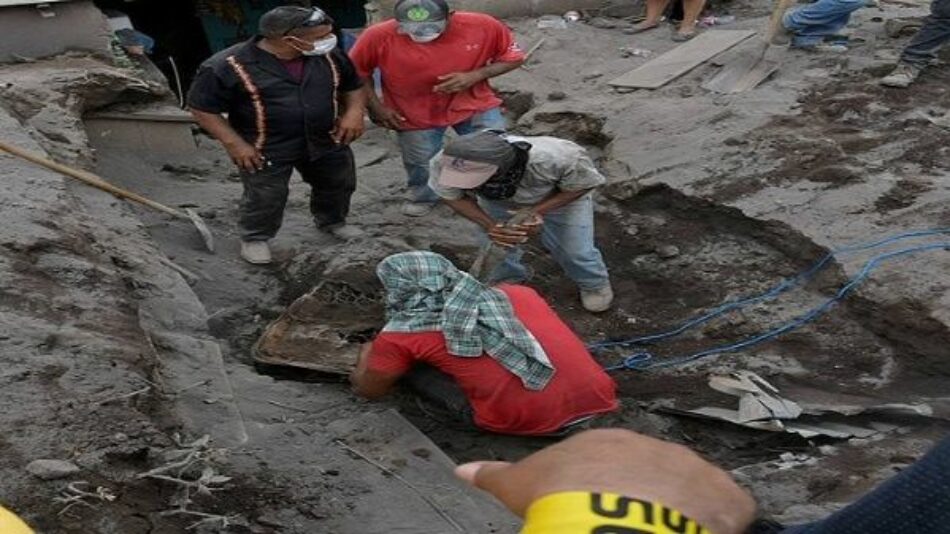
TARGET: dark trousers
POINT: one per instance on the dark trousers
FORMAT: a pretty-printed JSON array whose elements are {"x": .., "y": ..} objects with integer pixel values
[
  {"x": 932, "y": 35},
  {"x": 332, "y": 180},
  {"x": 916, "y": 500}
]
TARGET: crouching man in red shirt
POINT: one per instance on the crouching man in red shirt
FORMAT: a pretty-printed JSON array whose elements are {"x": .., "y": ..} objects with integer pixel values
[{"x": 521, "y": 369}]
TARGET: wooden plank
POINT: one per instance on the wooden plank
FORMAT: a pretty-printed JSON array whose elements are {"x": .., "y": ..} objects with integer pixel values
[
  {"x": 743, "y": 74},
  {"x": 682, "y": 59}
]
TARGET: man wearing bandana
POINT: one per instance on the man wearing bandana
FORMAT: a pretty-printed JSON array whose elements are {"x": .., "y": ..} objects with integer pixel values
[
  {"x": 435, "y": 65},
  {"x": 486, "y": 175}
]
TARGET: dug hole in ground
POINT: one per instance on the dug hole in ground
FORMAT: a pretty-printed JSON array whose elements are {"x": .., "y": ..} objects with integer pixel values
[{"x": 125, "y": 344}]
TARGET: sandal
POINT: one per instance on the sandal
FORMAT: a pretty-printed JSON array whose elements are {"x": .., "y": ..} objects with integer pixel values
[
  {"x": 640, "y": 28},
  {"x": 683, "y": 37}
]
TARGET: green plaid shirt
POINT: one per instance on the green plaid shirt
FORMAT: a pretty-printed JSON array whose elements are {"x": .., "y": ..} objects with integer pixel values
[{"x": 425, "y": 292}]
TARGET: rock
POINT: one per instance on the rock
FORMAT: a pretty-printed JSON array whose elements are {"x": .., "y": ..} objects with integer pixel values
[
  {"x": 557, "y": 95},
  {"x": 667, "y": 251},
  {"x": 624, "y": 90},
  {"x": 52, "y": 469}
]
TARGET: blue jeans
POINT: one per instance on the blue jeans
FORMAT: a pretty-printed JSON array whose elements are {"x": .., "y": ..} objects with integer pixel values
[
  {"x": 813, "y": 22},
  {"x": 420, "y": 146},
  {"x": 568, "y": 234},
  {"x": 932, "y": 35}
]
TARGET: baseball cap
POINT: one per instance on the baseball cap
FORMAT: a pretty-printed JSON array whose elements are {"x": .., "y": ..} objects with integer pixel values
[
  {"x": 421, "y": 11},
  {"x": 468, "y": 161},
  {"x": 284, "y": 19}
]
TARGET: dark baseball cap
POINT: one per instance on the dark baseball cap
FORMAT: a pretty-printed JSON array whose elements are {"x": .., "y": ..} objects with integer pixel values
[
  {"x": 284, "y": 19},
  {"x": 468, "y": 161}
]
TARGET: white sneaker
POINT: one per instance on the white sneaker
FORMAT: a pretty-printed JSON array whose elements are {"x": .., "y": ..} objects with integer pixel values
[
  {"x": 346, "y": 232},
  {"x": 902, "y": 76},
  {"x": 417, "y": 209},
  {"x": 256, "y": 252},
  {"x": 598, "y": 300}
]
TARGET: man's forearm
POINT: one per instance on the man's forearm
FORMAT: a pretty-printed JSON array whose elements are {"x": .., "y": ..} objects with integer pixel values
[
  {"x": 370, "y": 97},
  {"x": 217, "y": 126},
  {"x": 558, "y": 199},
  {"x": 468, "y": 208},
  {"x": 497, "y": 69},
  {"x": 355, "y": 102}
]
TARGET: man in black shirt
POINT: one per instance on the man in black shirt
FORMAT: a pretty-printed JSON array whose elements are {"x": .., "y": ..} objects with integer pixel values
[{"x": 292, "y": 100}]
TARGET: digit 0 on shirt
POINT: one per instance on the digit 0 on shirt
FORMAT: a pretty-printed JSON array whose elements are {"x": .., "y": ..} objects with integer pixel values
[{"x": 604, "y": 513}]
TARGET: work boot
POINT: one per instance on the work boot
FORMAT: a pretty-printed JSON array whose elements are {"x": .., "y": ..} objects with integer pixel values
[
  {"x": 902, "y": 76},
  {"x": 417, "y": 209},
  {"x": 256, "y": 252},
  {"x": 345, "y": 232},
  {"x": 597, "y": 300}
]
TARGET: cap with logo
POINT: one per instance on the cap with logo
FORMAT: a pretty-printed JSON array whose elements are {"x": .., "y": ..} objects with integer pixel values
[
  {"x": 421, "y": 17},
  {"x": 468, "y": 161}
]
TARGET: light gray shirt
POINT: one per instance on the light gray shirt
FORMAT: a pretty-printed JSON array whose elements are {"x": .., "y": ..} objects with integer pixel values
[{"x": 553, "y": 164}]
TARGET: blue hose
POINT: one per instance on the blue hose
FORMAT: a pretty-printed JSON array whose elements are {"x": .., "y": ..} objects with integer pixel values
[{"x": 643, "y": 360}]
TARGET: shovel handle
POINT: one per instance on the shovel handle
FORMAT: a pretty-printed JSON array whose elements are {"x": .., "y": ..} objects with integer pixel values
[
  {"x": 775, "y": 21},
  {"x": 89, "y": 179}
]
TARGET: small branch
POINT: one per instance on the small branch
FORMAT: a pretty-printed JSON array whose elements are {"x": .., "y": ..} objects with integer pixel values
[
  {"x": 288, "y": 407},
  {"x": 448, "y": 519},
  {"x": 193, "y": 386},
  {"x": 168, "y": 467},
  {"x": 135, "y": 393}
]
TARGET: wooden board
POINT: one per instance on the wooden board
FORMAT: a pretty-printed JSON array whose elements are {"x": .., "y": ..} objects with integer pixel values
[
  {"x": 682, "y": 59},
  {"x": 743, "y": 74}
]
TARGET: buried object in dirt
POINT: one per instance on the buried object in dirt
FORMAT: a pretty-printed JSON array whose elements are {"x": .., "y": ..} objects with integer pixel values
[
  {"x": 95, "y": 181},
  {"x": 322, "y": 330}
]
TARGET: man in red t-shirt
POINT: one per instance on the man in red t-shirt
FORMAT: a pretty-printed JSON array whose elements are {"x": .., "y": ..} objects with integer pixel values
[
  {"x": 520, "y": 368},
  {"x": 435, "y": 66}
]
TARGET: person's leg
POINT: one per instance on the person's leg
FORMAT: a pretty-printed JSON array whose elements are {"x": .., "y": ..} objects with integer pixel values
[
  {"x": 511, "y": 269},
  {"x": 935, "y": 33},
  {"x": 332, "y": 180},
  {"x": 915, "y": 500},
  {"x": 655, "y": 9},
  {"x": 492, "y": 119},
  {"x": 418, "y": 148},
  {"x": 441, "y": 389},
  {"x": 811, "y": 23},
  {"x": 568, "y": 233},
  {"x": 263, "y": 201},
  {"x": 691, "y": 12}
]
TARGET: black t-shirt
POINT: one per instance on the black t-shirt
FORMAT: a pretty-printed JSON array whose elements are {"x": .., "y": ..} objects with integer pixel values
[{"x": 266, "y": 106}]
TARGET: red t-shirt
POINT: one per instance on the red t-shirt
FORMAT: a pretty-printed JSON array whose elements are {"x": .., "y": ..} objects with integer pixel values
[
  {"x": 500, "y": 402},
  {"x": 410, "y": 70}
]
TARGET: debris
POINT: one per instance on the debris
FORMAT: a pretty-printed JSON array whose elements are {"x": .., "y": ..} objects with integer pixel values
[
  {"x": 634, "y": 52},
  {"x": 712, "y": 20},
  {"x": 762, "y": 408},
  {"x": 667, "y": 251},
  {"x": 72, "y": 495},
  {"x": 572, "y": 16},
  {"x": 51, "y": 469},
  {"x": 555, "y": 96},
  {"x": 552, "y": 22}
]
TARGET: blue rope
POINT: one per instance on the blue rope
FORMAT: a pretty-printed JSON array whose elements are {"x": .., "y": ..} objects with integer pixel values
[{"x": 644, "y": 360}]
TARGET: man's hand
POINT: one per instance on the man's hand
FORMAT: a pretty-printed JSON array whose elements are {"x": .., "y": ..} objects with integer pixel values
[
  {"x": 349, "y": 128},
  {"x": 387, "y": 117},
  {"x": 531, "y": 226},
  {"x": 507, "y": 236},
  {"x": 457, "y": 81},
  {"x": 245, "y": 155},
  {"x": 622, "y": 462}
]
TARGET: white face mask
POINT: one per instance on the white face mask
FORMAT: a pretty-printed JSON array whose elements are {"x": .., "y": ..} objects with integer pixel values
[
  {"x": 428, "y": 38},
  {"x": 322, "y": 47}
]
